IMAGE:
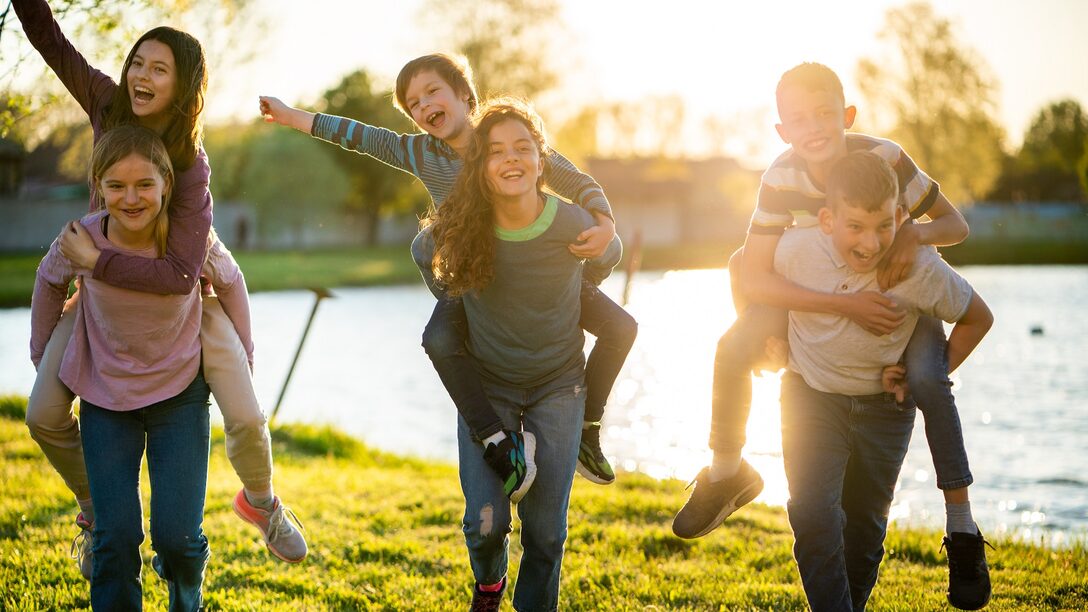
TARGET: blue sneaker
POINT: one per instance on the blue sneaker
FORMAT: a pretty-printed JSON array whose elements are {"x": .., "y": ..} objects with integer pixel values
[{"x": 514, "y": 460}]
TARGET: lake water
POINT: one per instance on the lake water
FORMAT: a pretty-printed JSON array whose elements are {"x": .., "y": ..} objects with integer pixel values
[{"x": 1021, "y": 395}]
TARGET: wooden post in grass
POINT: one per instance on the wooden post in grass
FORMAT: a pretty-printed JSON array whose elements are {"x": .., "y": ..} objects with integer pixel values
[{"x": 320, "y": 293}]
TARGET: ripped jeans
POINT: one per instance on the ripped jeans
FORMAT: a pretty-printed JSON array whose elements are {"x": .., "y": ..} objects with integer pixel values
[{"x": 553, "y": 413}]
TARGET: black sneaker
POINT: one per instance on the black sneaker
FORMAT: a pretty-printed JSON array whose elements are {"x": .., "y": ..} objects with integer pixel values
[
  {"x": 712, "y": 502},
  {"x": 486, "y": 601},
  {"x": 514, "y": 461},
  {"x": 968, "y": 574},
  {"x": 592, "y": 464}
]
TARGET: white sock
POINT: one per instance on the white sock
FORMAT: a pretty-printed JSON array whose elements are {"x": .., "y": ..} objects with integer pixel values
[
  {"x": 724, "y": 465},
  {"x": 958, "y": 519},
  {"x": 86, "y": 506},
  {"x": 260, "y": 499},
  {"x": 494, "y": 438}
]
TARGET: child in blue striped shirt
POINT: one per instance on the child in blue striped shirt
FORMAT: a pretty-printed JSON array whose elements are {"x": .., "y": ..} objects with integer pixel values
[{"x": 436, "y": 91}]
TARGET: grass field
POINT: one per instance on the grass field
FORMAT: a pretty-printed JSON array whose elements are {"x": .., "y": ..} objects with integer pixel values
[{"x": 384, "y": 534}]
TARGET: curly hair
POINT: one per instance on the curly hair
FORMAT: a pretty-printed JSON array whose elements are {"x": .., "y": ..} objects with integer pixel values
[{"x": 463, "y": 227}]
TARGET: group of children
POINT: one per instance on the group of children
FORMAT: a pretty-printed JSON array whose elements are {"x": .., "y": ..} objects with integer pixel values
[{"x": 834, "y": 268}]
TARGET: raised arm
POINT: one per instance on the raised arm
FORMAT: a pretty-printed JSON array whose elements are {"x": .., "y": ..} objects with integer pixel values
[
  {"x": 55, "y": 272},
  {"x": 90, "y": 87},
  {"x": 382, "y": 144},
  {"x": 946, "y": 227}
]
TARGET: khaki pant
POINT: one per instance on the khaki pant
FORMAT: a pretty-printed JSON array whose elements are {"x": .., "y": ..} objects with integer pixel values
[{"x": 54, "y": 426}]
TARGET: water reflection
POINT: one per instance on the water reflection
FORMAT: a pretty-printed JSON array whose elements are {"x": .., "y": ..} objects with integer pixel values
[{"x": 1020, "y": 395}]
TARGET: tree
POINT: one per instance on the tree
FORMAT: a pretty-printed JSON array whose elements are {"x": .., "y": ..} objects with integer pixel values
[
  {"x": 508, "y": 43},
  {"x": 1051, "y": 162},
  {"x": 375, "y": 187},
  {"x": 940, "y": 100},
  {"x": 292, "y": 181}
]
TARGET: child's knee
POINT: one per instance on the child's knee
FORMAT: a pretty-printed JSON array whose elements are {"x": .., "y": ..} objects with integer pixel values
[
  {"x": 49, "y": 413},
  {"x": 423, "y": 249},
  {"x": 620, "y": 332},
  {"x": 442, "y": 338},
  {"x": 487, "y": 528}
]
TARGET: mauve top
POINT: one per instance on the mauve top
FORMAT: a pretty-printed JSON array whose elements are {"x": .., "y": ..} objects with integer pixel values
[
  {"x": 176, "y": 272},
  {"x": 129, "y": 349}
]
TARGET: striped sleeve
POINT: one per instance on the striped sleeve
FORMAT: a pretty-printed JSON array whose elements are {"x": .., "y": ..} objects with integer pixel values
[
  {"x": 786, "y": 196},
  {"x": 567, "y": 181},
  {"x": 917, "y": 191},
  {"x": 401, "y": 151}
]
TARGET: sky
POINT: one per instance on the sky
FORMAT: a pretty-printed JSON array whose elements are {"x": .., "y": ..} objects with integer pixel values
[{"x": 721, "y": 58}]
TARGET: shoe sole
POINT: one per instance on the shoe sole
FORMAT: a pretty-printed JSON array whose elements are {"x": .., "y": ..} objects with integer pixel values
[
  {"x": 744, "y": 496},
  {"x": 530, "y": 467},
  {"x": 590, "y": 476},
  {"x": 234, "y": 506}
]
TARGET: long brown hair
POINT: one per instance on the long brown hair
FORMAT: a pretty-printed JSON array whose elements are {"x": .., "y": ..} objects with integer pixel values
[
  {"x": 183, "y": 134},
  {"x": 119, "y": 143},
  {"x": 463, "y": 226}
]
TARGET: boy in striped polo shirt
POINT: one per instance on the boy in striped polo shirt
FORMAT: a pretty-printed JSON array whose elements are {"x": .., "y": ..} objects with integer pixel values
[{"x": 813, "y": 119}]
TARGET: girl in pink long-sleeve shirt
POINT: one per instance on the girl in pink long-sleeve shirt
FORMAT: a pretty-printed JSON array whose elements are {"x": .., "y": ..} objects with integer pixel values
[
  {"x": 162, "y": 88},
  {"x": 134, "y": 359}
]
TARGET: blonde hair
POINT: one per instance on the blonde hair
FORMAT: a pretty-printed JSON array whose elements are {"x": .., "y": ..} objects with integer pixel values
[{"x": 119, "y": 143}]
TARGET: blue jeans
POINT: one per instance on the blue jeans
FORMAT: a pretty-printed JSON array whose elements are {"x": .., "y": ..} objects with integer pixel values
[
  {"x": 842, "y": 456},
  {"x": 175, "y": 433},
  {"x": 553, "y": 413},
  {"x": 446, "y": 335},
  {"x": 925, "y": 358}
]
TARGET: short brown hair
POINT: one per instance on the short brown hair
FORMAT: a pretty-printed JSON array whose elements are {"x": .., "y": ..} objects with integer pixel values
[
  {"x": 450, "y": 68},
  {"x": 811, "y": 76},
  {"x": 862, "y": 179}
]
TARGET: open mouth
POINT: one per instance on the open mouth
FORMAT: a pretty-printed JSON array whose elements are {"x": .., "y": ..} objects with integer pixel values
[
  {"x": 817, "y": 144},
  {"x": 864, "y": 257},
  {"x": 142, "y": 95},
  {"x": 435, "y": 119},
  {"x": 512, "y": 174}
]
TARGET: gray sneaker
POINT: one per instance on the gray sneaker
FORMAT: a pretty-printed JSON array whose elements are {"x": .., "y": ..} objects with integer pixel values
[
  {"x": 712, "y": 502},
  {"x": 277, "y": 527},
  {"x": 81, "y": 546}
]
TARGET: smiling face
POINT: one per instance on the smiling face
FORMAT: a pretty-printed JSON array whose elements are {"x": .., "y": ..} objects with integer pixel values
[
  {"x": 861, "y": 236},
  {"x": 132, "y": 190},
  {"x": 152, "y": 82},
  {"x": 813, "y": 122},
  {"x": 437, "y": 108},
  {"x": 514, "y": 163}
]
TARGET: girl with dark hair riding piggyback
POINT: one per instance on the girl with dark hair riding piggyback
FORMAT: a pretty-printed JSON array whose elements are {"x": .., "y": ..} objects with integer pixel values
[{"x": 162, "y": 88}]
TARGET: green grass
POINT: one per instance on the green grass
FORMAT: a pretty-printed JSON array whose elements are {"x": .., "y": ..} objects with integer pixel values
[{"x": 384, "y": 535}]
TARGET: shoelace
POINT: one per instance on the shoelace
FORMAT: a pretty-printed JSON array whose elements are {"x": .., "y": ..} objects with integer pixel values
[
  {"x": 958, "y": 565},
  {"x": 278, "y": 523},
  {"x": 80, "y": 545}
]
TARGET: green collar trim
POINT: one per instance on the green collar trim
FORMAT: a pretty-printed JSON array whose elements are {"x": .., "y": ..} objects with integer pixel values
[{"x": 534, "y": 229}]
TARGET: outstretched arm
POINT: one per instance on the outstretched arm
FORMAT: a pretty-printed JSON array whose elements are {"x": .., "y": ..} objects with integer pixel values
[{"x": 275, "y": 111}]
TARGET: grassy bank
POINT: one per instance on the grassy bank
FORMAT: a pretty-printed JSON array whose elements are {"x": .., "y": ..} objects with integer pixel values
[
  {"x": 384, "y": 535},
  {"x": 271, "y": 271}
]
